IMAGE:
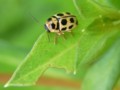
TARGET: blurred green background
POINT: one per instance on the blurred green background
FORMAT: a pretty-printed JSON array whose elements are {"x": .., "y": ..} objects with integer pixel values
[{"x": 19, "y": 31}]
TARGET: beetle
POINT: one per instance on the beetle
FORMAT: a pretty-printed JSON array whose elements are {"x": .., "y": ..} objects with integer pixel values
[{"x": 60, "y": 23}]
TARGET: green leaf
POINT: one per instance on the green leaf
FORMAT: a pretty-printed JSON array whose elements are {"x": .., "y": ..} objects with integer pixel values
[
  {"x": 104, "y": 74},
  {"x": 95, "y": 41},
  {"x": 96, "y": 8},
  {"x": 45, "y": 54}
]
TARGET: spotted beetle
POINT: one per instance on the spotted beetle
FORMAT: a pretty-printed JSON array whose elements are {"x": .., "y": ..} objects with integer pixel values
[{"x": 61, "y": 22}]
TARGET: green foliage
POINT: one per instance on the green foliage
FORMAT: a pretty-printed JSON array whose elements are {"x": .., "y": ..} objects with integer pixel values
[
  {"x": 105, "y": 71},
  {"x": 91, "y": 54}
]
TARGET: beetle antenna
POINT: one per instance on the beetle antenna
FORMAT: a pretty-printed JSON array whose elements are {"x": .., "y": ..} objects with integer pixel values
[{"x": 35, "y": 19}]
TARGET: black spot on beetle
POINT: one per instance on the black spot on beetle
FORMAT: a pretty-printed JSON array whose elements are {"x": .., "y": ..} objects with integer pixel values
[
  {"x": 71, "y": 20},
  {"x": 70, "y": 27},
  {"x": 64, "y": 22},
  {"x": 46, "y": 28},
  {"x": 64, "y": 28},
  {"x": 60, "y": 14},
  {"x": 54, "y": 16},
  {"x": 68, "y": 13},
  {"x": 76, "y": 22},
  {"x": 57, "y": 26},
  {"x": 49, "y": 19},
  {"x": 53, "y": 26}
]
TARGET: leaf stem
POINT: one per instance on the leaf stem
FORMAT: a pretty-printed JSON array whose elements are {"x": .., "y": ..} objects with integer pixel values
[{"x": 78, "y": 9}]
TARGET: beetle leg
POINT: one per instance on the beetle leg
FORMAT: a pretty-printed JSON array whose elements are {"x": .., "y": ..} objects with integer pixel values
[
  {"x": 72, "y": 34},
  {"x": 63, "y": 36},
  {"x": 55, "y": 39}
]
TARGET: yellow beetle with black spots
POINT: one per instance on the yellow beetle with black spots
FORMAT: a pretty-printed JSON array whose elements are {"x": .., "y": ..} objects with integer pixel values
[{"x": 61, "y": 22}]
